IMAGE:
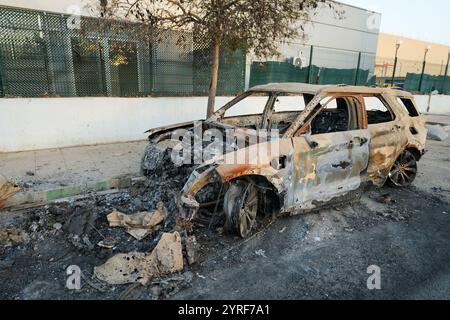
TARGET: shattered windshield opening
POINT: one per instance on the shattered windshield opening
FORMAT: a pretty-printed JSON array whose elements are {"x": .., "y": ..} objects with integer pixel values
[
  {"x": 287, "y": 108},
  {"x": 253, "y": 104}
]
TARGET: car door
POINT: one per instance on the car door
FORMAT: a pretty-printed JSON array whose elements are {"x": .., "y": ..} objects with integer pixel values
[
  {"x": 329, "y": 160},
  {"x": 387, "y": 137}
]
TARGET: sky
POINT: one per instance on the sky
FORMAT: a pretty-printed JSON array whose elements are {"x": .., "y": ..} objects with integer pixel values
[{"x": 427, "y": 20}]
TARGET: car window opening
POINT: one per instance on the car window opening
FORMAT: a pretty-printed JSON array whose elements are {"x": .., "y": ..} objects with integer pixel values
[
  {"x": 408, "y": 104},
  {"x": 254, "y": 104},
  {"x": 377, "y": 112},
  {"x": 287, "y": 107},
  {"x": 339, "y": 115}
]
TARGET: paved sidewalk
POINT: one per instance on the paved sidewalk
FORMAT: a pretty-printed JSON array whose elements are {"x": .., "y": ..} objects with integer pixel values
[
  {"x": 58, "y": 168},
  {"x": 439, "y": 119}
]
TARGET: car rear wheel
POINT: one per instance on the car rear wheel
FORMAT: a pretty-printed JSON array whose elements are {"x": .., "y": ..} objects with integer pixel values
[
  {"x": 404, "y": 170},
  {"x": 241, "y": 207}
]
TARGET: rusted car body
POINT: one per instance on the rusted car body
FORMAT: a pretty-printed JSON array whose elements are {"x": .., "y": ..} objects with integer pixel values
[{"x": 344, "y": 138}]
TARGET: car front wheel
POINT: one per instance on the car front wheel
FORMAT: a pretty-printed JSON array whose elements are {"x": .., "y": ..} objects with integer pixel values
[{"x": 241, "y": 206}]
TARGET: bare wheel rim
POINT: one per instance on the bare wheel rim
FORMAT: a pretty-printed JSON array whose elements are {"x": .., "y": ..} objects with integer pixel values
[
  {"x": 248, "y": 211},
  {"x": 404, "y": 170}
]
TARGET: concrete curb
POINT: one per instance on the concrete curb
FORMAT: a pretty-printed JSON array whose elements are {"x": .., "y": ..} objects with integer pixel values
[{"x": 36, "y": 198}]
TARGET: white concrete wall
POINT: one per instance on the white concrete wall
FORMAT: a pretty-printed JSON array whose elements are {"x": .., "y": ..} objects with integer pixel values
[
  {"x": 439, "y": 104},
  {"x": 40, "y": 123}
]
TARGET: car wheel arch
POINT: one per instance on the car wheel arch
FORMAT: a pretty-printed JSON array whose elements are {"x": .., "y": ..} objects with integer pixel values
[
  {"x": 415, "y": 152},
  {"x": 266, "y": 185}
]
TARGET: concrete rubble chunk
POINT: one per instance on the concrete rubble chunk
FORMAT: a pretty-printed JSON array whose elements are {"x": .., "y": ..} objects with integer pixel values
[
  {"x": 437, "y": 132},
  {"x": 7, "y": 190},
  {"x": 139, "y": 225},
  {"x": 166, "y": 258}
]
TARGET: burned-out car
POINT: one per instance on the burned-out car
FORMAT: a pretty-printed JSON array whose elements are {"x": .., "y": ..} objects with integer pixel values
[{"x": 320, "y": 145}]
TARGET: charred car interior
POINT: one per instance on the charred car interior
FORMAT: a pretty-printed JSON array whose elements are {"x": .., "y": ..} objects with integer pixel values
[{"x": 324, "y": 145}]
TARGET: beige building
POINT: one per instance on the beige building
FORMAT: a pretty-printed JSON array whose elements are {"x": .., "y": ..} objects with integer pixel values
[{"x": 410, "y": 56}]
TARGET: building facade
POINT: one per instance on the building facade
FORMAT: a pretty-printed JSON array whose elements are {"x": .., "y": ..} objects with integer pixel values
[
  {"x": 411, "y": 55},
  {"x": 420, "y": 66}
]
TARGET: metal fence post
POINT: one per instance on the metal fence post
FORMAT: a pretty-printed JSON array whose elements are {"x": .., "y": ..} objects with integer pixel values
[
  {"x": 46, "y": 66},
  {"x": 421, "y": 76},
  {"x": 308, "y": 80},
  {"x": 150, "y": 65},
  {"x": 47, "y": 53},
  {"x": 397, "y": 48},
  {"x": 70, "y": 82},
  {"x": 423, "y": 68},
  {"x": 107, "y": 64},
  {"x": 395, "y": 69},
  {"x": 444, "y": 86},
  {"x": 101, "y": 70},
  {"x": 357, "y": 68},
  {"x": 2, "y": 91}
]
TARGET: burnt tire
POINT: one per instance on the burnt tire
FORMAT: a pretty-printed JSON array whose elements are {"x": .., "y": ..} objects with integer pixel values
[
  {"x": 404, "y": 170},
  {"x": 154, "y": 160},
  {"x": 241, "y": 207}
]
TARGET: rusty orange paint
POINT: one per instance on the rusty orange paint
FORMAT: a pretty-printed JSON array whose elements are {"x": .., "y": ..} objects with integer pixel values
[{"x": 229, "y": 172}]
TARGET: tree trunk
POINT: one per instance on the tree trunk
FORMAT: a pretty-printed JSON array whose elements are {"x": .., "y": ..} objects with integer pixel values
[{"x": 214, "y": 78}]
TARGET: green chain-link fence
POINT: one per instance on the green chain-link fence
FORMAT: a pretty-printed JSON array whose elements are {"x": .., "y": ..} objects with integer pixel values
[
  {"x": 320, "y": 66},
  {"x": 41, "y": 55},
  {"x": 429, "y": 83}
]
